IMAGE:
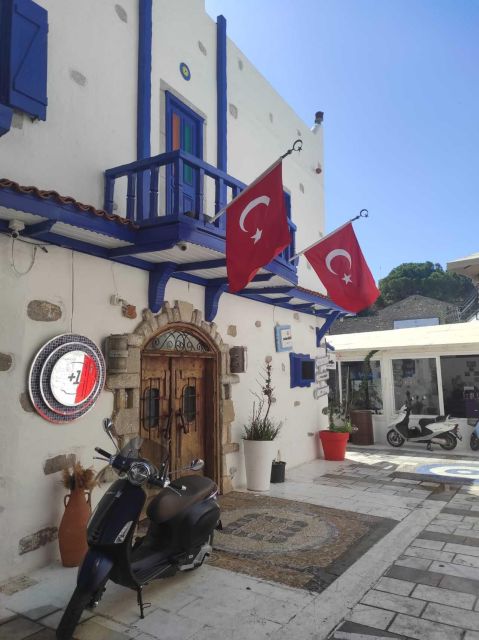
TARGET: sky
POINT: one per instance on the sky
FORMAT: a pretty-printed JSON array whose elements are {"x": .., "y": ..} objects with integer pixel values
[{"x": 398, "y": 81}]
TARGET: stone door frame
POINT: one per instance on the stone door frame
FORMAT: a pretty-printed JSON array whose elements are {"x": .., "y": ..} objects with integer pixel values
[{"x": 123, "y": 355}]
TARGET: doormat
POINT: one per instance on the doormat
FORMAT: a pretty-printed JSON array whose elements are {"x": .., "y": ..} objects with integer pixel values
[{"x": 294, "y": 543}]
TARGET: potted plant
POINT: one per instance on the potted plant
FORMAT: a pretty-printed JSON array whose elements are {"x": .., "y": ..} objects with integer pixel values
[
  {"x": 259, "y": 435},
  {"x": 72, "y": 530},
  {"x": 363, "y": 402},
  {"x": 335, "y": 437}
]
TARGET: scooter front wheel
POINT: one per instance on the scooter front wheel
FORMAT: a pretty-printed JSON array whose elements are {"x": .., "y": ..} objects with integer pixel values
[
  {"x": 78, "y": 602},
  {"x": 450, "y": 442},
  {"x": 474, "y": 442},
  {"x": 394, "y": 439}
]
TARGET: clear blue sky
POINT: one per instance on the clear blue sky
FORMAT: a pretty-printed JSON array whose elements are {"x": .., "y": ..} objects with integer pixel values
[{"x": 398, "y": 81}]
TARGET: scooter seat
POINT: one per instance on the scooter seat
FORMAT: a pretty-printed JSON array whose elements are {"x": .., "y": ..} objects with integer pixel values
[
  {"x": 178, "y": 496},
  {"x": 423, "y": 422}
]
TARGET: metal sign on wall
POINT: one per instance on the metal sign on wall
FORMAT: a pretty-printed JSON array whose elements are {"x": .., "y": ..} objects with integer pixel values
[{"x": 66, "y": 377}]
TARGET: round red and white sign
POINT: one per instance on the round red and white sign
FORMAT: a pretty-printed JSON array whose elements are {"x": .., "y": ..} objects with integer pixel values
[{"x": 73, "y": 378}]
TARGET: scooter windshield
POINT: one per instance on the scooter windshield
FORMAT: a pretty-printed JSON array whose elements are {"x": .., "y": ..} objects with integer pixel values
[{"x": 132, "y": 448}]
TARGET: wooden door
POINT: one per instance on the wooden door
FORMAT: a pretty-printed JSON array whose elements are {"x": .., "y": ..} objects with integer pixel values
[{"x": 173, "y": 396}]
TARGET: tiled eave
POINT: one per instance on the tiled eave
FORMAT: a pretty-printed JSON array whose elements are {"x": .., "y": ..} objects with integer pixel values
[{"x": 172, "y": 246}]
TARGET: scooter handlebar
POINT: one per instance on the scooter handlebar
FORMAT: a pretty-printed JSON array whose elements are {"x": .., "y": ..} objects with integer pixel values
[{"x": 103, "y": 452}]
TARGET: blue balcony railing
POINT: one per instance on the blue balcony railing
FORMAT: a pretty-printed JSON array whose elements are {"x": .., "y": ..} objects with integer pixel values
[{"x": 184, "y": 178}]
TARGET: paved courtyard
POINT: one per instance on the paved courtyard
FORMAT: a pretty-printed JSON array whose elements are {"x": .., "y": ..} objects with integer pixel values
[{"x": 419, "y": 581}]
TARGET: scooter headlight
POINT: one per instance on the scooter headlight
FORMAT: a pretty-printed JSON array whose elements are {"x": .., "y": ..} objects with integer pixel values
[{"x": 139, "y": 472}]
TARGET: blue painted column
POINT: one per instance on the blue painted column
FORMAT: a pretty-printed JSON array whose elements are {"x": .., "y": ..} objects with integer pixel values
[
  {"x": 143, "y": 148},
  {"x": 221, "y": 111}
]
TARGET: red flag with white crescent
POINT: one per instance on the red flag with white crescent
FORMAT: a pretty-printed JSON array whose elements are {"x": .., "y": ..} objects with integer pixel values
[{"x": 341, "y": 267}]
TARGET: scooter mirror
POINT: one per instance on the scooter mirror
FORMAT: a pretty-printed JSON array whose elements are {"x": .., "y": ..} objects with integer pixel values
[
  {"x": 197, "y": 464},
  {"x": 107, "y": 425}
]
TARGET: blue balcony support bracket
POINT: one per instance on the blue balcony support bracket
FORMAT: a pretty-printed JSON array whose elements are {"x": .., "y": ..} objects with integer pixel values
[
  {"x": 213, "y": 293},
  {"x": 38, "y": 230},
  {"x": 158, "y": 279},
  {"x": 321, "y": 331},
  {"x": 145, "y": 28},
  {"x": 5, "y": 119}
]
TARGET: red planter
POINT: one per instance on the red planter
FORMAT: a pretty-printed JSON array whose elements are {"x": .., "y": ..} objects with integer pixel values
[{"x": 334, "y": 444}]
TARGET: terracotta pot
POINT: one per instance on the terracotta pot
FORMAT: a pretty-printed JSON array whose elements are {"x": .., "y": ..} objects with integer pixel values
[
  {"x": 72, "y": 530},
  {"x": 334, "y": 444}
]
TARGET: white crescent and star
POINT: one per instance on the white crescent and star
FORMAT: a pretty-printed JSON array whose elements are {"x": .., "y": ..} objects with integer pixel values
[
  {"x": 249, "y": 207},
  {"x": 334, "y": 254}
]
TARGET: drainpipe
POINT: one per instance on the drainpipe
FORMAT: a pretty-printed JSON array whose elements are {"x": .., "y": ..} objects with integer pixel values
[
  {"x": 143, "y": 149},
  {"x": 221, "y": 110}
]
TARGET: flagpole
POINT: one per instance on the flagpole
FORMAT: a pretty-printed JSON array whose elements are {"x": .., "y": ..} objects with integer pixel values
[
  {"x": 297, "y": 146},
  {"x": 364, "y": 213}
]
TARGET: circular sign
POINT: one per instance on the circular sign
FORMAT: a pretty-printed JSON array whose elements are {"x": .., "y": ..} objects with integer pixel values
[
  {"x": 66, "y": 377},
  {"x": 185, "y": 71},
  {"x": 73, "y": 378}
]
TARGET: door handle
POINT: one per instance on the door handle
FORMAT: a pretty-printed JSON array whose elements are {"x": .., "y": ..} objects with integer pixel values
[
  {"x": 167, "y": 429},
  {"x": 183, "y": 424}
]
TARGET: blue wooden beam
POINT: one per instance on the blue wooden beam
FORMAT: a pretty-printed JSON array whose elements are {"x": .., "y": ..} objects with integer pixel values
[
  {"x": 38, "y": 229},
  {"x": 204, "y": 264},
  {"x": 68, "y": 213},
  {"x": 265, "y": 290},
  {"x": 158, "y": 280},
  {"x": 145, "y": 30},
  {"x": 213, "y": 293},
  {"x": 321, "y": 331}
]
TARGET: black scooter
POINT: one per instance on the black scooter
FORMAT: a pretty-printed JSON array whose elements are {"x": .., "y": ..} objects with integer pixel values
[{"x": 182, "y": 519}]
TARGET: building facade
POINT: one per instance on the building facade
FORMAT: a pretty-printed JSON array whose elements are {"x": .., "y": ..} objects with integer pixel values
[{"x": 142, "y": 121}]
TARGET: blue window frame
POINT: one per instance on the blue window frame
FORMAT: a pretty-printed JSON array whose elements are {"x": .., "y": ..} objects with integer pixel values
[
  {"x": 184, "y": 130},
  {"x": 302, "y": 370}
]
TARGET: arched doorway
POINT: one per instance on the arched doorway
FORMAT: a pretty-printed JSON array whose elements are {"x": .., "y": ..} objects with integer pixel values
[{"x": 179, "y": 381}]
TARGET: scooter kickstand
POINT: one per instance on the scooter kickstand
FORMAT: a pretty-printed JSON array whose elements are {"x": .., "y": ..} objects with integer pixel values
[{"x": 141, "y": 604}]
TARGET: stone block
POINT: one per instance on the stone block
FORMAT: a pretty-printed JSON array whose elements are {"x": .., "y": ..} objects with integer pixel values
[
  {"x": 197, "y": 317},
  {"x": 126, "y": 421},
  {"x": 416, "y": 628},
  {"x": 43, "y": 311},
  {"x": 162, "y": 320},
  {"x": 19, "y": 628},
  {"x": 134, "y": 340},
  {"x": 176, "y": 314},
  {"x": 6, "y": 361},
  {"x": 58, "y": 463},
  {"x": 228, "y": 411},
  {"x": 123, "y": 381},
  {"x": 185, "y": 310},
  {"x": 133, "y": 363},
  {"x": 230, "y": 447},
  {"x": 226, "y": 485},
  {"x": 232, "y": 330},
  {"x": 36, "y": 540},
  {"x": 166, "y": 308}
]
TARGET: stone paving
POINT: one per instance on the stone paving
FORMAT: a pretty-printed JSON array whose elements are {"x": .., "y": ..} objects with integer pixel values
[{"x": 420, "y": 581}]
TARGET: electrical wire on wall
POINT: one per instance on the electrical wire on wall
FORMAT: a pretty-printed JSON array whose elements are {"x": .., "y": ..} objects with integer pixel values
[{"x": 35, "y": 246}]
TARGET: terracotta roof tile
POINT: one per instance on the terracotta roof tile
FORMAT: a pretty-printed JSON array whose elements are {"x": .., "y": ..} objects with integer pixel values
[{"x": 56, "y": 197}]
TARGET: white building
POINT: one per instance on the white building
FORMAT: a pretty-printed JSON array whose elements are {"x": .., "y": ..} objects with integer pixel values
[
  {"x": 437, "y": 365},
  {"x": 154, "y": 119}
]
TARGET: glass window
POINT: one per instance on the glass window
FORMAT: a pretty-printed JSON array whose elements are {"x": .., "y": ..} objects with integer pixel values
[
  {"x": 151, "y": 408},
  {"x": 361, "y": 385},
  {"x": 415, "y": 381},
  {"x": 460, "y": 384},
  {"x": 189, "y": 403},
  {"x": 177, "y": 340}
]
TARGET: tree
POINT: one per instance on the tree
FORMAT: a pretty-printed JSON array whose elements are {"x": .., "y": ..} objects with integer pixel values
[{"x": 425, "y": 279}]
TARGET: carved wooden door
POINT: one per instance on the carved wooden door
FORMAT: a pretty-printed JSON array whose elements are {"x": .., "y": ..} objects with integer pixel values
[{"x": 173, "y": 408}]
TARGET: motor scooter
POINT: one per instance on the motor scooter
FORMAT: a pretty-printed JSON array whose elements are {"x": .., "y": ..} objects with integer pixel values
[
  {"x": 182, "y": 520},
  {"x": 474, "y": 441},
  {"x": 441, "y": 430}
]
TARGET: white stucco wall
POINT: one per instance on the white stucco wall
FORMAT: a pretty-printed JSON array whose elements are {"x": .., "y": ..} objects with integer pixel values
[{"x": 91, "y": 128}]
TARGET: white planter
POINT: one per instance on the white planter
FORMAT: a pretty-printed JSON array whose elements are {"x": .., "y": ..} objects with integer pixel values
[{"x": 258, "y": 456}]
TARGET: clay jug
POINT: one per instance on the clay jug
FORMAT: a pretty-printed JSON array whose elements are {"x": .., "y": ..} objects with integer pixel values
[{"x": 72, "y": 530}]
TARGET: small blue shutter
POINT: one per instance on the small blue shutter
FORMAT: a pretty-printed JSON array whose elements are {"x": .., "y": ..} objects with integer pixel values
[{"x": 24, "y": 60}]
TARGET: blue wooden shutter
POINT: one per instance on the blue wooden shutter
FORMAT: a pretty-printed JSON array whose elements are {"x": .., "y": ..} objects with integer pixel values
[{"x": 24, "y": 57}]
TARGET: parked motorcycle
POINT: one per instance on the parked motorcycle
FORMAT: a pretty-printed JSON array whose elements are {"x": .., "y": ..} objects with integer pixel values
[
  {"x": 182, "y": 520},
  {"x": 441, "y": 430},
  {"x": 474, "y": 441}
]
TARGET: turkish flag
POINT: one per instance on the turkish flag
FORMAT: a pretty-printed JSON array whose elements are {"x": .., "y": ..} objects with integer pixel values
[
  {"x": 341, "y": 267},
  {"x": 256, "y": 228}
]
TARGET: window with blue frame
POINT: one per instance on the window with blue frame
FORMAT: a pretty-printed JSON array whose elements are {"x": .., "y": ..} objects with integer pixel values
[
  {"x": 23, "y": 59},
  {"x": 184, "y": 130},
  {"x": 302, "y": 370}
]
